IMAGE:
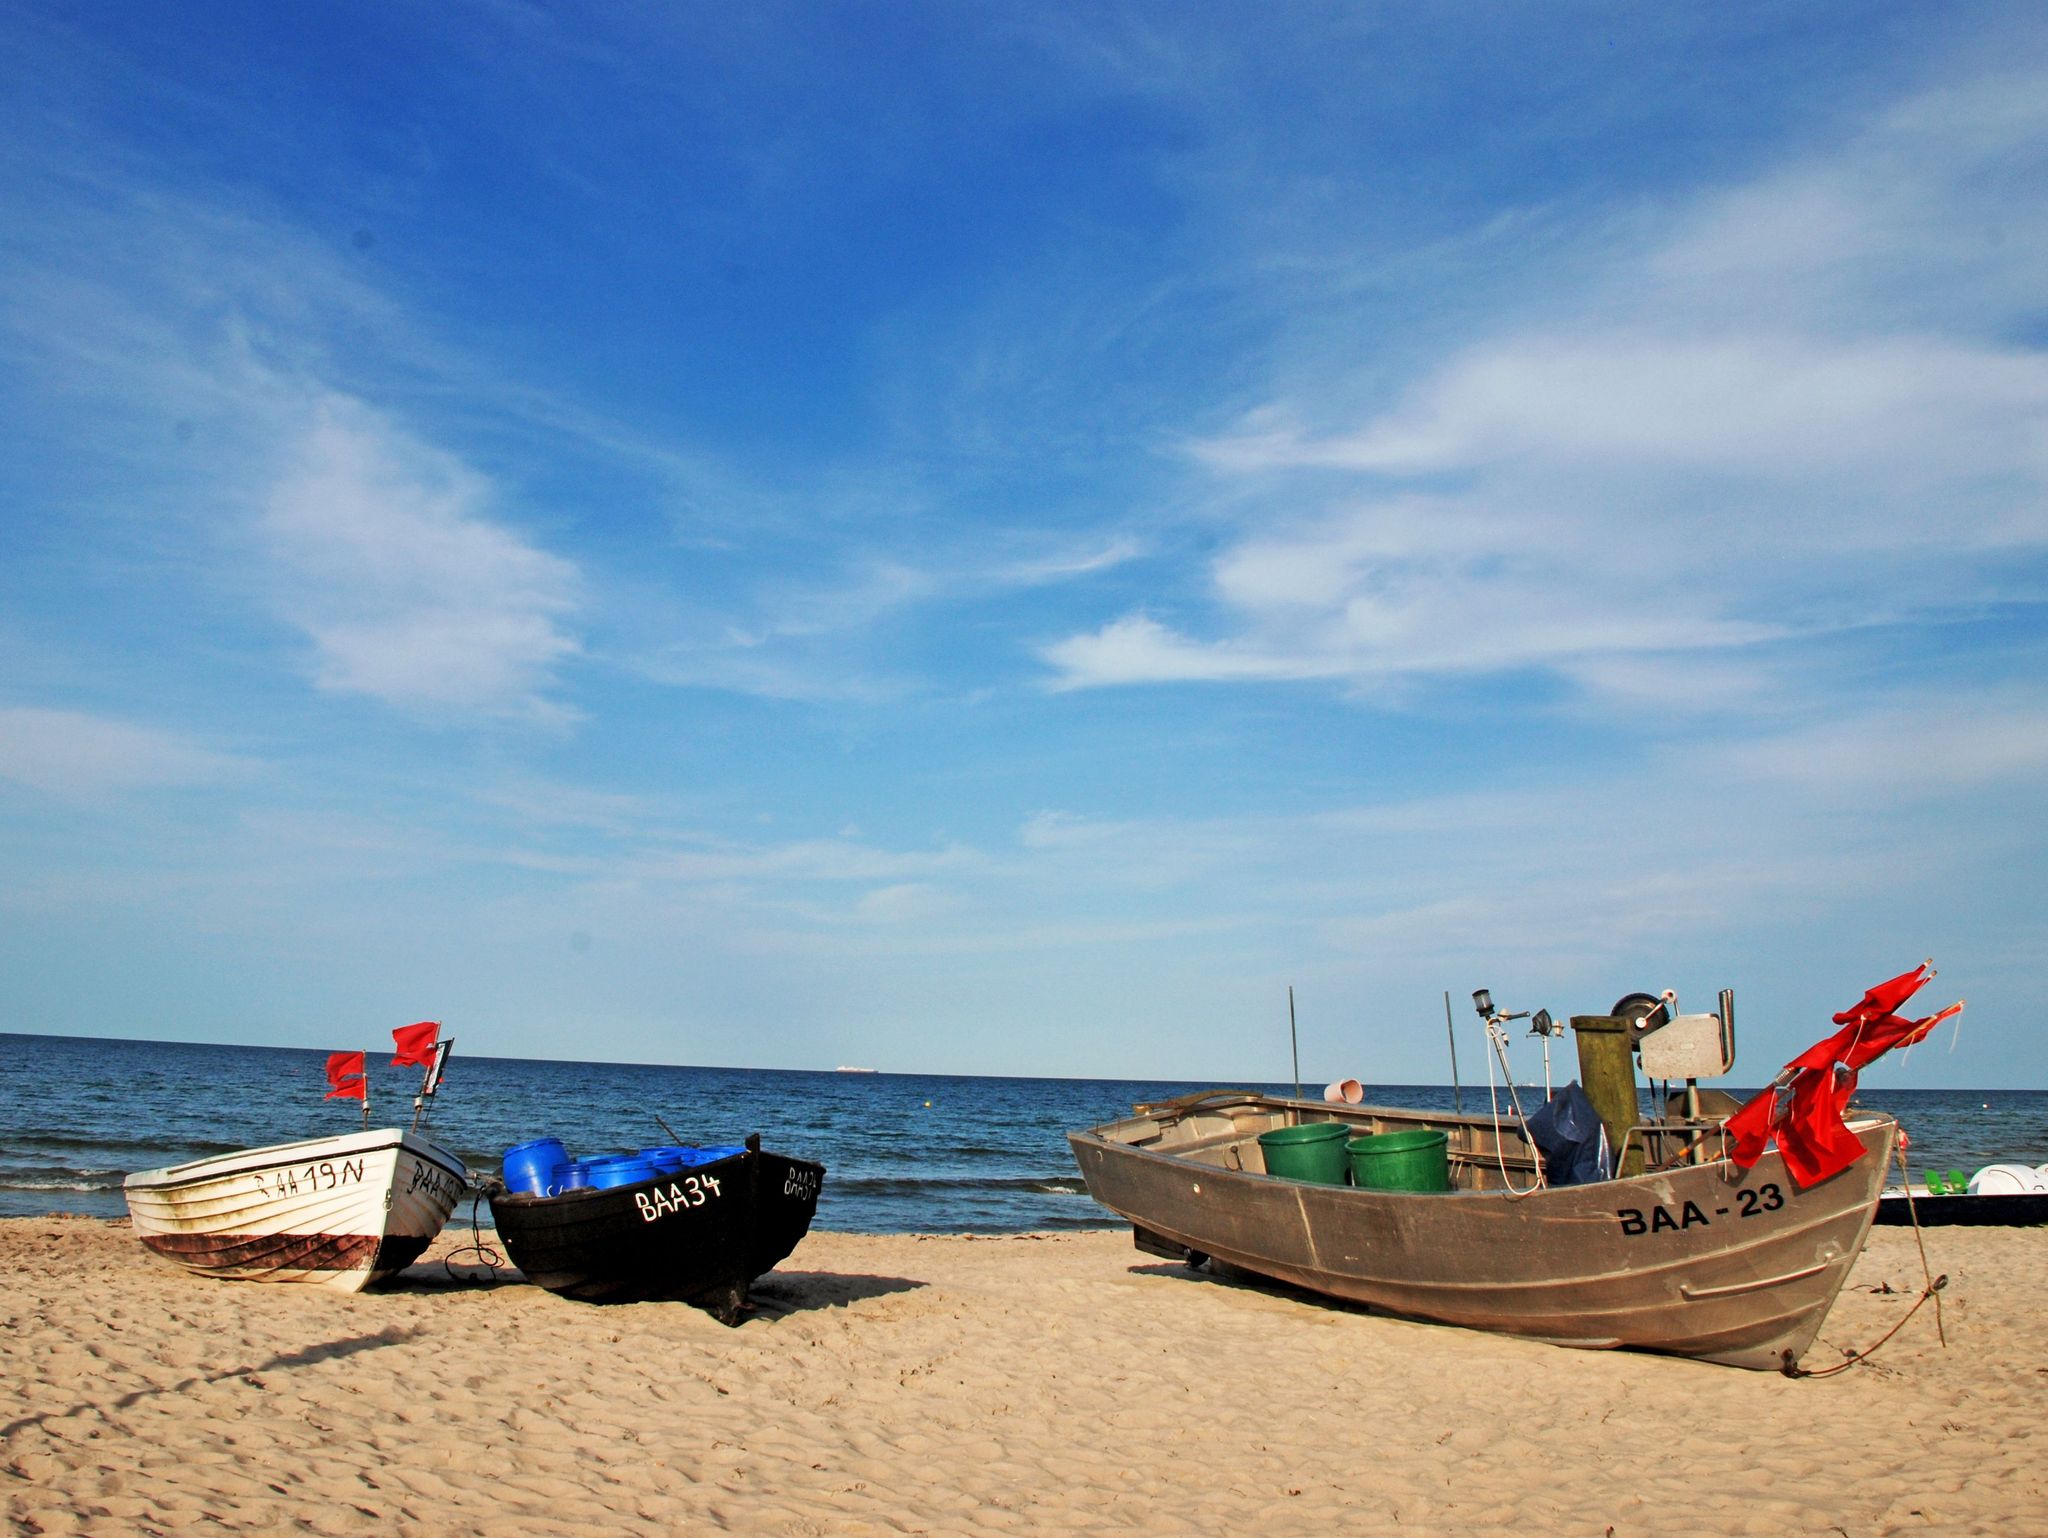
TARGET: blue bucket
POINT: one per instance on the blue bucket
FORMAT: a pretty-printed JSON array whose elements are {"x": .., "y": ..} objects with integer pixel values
[
  {"x": 530, "y": 1167},
  {"x": 621, "y": 1170},
  {"x": 667, "y": 1160},
  {"x": 573, "y": 1176}
]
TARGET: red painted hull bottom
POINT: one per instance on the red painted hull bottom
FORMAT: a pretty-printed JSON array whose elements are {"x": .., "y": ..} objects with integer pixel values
[{"x": 297, "y": 1252}]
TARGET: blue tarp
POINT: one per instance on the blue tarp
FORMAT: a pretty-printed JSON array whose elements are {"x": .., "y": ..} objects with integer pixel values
[{"x": 1568, "y": 1132}]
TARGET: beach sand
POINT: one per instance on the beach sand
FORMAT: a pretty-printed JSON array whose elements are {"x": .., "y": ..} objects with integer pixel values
[{"x": 1037, "y": 1384}]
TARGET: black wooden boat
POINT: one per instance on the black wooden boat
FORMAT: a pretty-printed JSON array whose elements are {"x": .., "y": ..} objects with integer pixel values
[{"x": 699, "y": 1236}]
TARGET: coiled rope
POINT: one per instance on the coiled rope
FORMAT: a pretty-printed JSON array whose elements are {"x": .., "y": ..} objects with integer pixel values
[
  {"x": 486, "y": 1257},
  {"x": 1931, "y": 1289}
]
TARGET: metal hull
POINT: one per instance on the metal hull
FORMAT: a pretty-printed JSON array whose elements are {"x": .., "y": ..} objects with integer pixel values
[
  {"x": 1701, "y": 1260},
  {"x": 338, "y": 1212},
  {"x": 699, "y": 1236}
]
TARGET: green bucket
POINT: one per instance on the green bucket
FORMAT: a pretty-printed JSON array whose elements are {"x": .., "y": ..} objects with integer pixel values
[
  {"x": 1402, "y": 1161},
  {"x": 1312, "y": 1151}
]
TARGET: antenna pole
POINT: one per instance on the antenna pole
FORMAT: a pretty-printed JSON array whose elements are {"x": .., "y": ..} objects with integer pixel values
[
  {"x": 1457, "y": 1090},
  {"x": 1294, "y": 1041}
]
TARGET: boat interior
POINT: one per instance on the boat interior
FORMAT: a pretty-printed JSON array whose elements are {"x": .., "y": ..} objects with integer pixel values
[{"x": 1486, "y": 1152}]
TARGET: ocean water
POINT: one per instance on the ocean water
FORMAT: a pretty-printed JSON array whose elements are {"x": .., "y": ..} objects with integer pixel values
[{"x": 904, "y": 1153}]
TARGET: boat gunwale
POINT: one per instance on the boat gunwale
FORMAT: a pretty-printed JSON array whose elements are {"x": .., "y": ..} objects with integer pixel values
[
  {"x": 1858, "y": 1121},
  {"x": 589, "y": 1193},
  {"x": 256, "y": 1160}
]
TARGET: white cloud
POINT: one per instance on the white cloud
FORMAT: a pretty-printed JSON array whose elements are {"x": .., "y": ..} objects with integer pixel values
[
  {"x": 76, "y": 756},
  {"x": 1788, "y": 408},
  {"x": 807, "y": 860},
  {"x": 1138, "y": 649},
  {"x": 1063, "y": 566},
  {"x": 1780, "y": 406},
  {"x": 383, "y": 555},
  {"x": 1919, "y": 748}
]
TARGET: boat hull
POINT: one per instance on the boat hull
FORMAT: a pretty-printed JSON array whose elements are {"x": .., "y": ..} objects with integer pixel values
[
  {"x": 1702, "y": 1260},
  {"x": 340, "y": 1212},
  {"x": 699, "y": 1236},
  {"x": 2024, "y": 1209}
]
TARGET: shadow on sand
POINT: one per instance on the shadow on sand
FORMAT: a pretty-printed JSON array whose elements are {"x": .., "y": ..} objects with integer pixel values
[
  {"x": 781, "y": 1293},
  {"x": 1218, "y": 1272},
  {"x": 283, "y": 1361}
]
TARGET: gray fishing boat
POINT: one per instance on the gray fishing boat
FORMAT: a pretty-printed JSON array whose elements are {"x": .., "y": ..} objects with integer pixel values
[{"x": 1681, "y": 1250}]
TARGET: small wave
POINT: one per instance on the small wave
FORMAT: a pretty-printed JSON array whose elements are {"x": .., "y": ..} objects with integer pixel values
[
  {"x": 62, "y": 1180},
  {"x": 884, "y": 1185}
]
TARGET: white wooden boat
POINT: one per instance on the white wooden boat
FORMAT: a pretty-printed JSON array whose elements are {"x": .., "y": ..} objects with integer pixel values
[{"x": 340, "y": 1212}]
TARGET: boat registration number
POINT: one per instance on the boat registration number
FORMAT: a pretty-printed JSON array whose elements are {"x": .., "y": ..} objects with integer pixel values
[
  {"x": 802, "y": 1184},
  {"x": 435, "y": 1181},
  {"x": 326, "y": 1175},
  {"x": 690, "y": 1191},
  {"x": 1660, "y": 1219}
]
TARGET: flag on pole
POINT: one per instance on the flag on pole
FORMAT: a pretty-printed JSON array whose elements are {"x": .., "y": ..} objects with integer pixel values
[
  {"x": 345, "y": 1071},
  {"x": 1803, "y": 1109},
  {"x": 416, "y": 1044}
]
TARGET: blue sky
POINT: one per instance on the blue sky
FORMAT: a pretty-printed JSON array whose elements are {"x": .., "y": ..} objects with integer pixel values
[{"x": 998, "y": 538}]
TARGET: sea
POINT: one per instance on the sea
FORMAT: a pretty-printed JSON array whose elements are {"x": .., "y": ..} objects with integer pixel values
[{"x": 904, "y": 1153}]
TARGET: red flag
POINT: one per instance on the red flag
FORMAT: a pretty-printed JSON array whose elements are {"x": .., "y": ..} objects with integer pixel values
[
  {"x": 1803, "y": 1111},
  {"x": 416, "y": 1044},
  {"x": 1888, "y": 996},
  {"x": 345, "y": 1072}
]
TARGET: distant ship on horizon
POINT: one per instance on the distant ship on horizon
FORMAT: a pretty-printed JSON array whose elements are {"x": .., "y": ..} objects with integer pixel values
[{"x": 842, "y": 1068}]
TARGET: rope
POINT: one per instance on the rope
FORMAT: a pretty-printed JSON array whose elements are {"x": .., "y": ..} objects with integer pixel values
[
  {"x": 1931, "y": 1289},
  {"x": 1499, "y": 1039},
  {"x": 486, "y": 1257}
]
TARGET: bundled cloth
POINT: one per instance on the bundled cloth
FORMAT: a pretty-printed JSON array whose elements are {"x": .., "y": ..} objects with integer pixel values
[
  {"x": 1569, "y": 1134},
  {"x": 1802, "y": 1110}
]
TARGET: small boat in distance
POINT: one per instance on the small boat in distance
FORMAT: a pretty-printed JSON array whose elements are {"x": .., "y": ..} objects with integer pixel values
[
  {"x": 339, "y": 1212},
  {"x": 1996, "y": 1196},
  {"x": 842, "y": 1068},
  {"x": 699, "y": 1234}
]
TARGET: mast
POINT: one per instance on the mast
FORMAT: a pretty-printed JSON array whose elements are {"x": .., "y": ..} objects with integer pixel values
[{"x": 430, "y": 1083}]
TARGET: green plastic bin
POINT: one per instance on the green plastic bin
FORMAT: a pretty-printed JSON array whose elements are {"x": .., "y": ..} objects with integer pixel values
[
  {"x": 1402, "y": 1161},
  {"x": 1312, "y": 1151}
]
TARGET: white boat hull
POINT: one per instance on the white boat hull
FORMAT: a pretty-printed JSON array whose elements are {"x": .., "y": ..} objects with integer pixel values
[{"x": 338, "y": 1212}]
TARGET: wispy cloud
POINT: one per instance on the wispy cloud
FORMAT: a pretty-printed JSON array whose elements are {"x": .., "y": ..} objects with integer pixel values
[
  {"x": 75, "y": 756},
  {"x": 383, "y": 555},
  {"x": 259, "y": 343},
  {"x": 814, "y": 637},
  {"x": 1768, "y": 418},
  {"x": 1777, "y": 406}
]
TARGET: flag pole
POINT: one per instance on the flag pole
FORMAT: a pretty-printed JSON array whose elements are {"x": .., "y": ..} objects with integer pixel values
[{"x": 366, "y": 1090}]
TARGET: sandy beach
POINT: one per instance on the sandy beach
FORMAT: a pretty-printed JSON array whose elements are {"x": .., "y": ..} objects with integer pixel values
[{"x": 1041, "y": 1384}]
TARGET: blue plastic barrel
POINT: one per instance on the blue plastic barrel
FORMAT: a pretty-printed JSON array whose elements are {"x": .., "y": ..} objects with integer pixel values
[
  {"x": 573, "y": 1176},
  {"x": 668, "y": 1159},
  {"x": 621, "y": 1170},
  {"x": 530, "y": 1167}
]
